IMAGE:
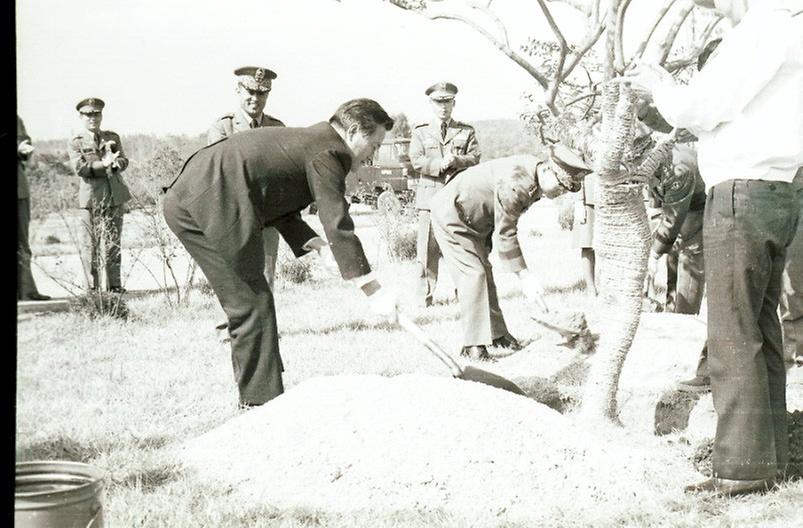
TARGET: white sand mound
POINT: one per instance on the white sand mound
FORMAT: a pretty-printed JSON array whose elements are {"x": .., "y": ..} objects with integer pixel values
[{"x": 412, "y": 441}]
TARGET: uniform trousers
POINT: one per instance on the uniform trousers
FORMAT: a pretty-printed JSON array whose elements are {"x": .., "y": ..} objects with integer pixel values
[
  {"x": 248, "y": 304},
  {"x": 685, "y": 275},
  {"x": 748, "y": 225},
  {"x": 428, "y": 255},
  {"x": 465, "y": 252},
  {"x": 25, "y": 283},
  {"x": 101, "y": 230},
  {"x": 792, "y": 292}
]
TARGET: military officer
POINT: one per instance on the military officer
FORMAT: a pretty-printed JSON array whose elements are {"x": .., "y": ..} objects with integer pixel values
[
  {"x": 253, "y": 87},
  {"x": 26, "y": 287},
  {"x": 228, "y": 191},
  {"x": 486, "y": 201},
  {"x": 439, "y": 150},
  {"x": 98, "y": 159}
]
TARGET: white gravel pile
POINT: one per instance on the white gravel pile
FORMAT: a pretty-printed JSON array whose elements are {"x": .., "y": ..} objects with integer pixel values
[{"x": 412, "y": 441}]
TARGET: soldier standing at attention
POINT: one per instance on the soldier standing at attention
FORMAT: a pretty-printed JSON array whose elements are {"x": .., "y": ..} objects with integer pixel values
[
  {"x": 253, "y": 87},
  {"x": 439, "y": 150},
  {"x": 26, "y": 287},
  {"x": 97, "y": 157}
]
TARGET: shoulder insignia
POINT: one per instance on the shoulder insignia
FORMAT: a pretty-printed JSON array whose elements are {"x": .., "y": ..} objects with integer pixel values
[
  {"x": 226, "y": 116},
  {"x": 420, "y": 125}
]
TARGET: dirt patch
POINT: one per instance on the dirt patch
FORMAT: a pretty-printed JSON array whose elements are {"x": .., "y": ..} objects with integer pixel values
[
  {"x": 702, "y": 454},
  {"x": 414, "y": 441},
  {"x": 673, "y": 410}
]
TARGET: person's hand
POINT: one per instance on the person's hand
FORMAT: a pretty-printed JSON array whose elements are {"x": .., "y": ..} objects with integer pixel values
[
  {"x": 645, "y": 78},
  {"x": 447, "y": 162},
  {"x": 25, "y": 148},
  {"x": 533, "y": 291},
  {"x": 652, "y": 264},
  {"x": 385, "y": 305},
  {"x": 110, "y": 158}
]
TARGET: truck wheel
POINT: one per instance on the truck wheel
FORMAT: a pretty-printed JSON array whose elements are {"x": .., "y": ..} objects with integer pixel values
[{"x": 388, "y": 203}]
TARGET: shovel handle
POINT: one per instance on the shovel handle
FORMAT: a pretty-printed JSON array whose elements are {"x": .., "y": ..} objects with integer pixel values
[{"x": 408, "y": 324}]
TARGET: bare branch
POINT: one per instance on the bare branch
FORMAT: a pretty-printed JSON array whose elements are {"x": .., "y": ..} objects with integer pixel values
[
  {"x": 692, "y": 58},
  {"x": 661, "y": 14},
  {"x": 619, "y": 60},
  {"x": 588, "y": 42},
  {"x": 584, "y": 6},
  {"x": 564, "y": 50},
  {"x": 501, "y": 46},
  {"x": 484, "y": 9},
  {"x": 671, "y": 35}
]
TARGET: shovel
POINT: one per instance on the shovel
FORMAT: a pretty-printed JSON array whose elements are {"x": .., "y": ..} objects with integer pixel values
[{"x": 467, "y": 373}]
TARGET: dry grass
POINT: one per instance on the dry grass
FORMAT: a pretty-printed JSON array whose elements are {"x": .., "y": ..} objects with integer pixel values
[{"x": 121, "y": 394}]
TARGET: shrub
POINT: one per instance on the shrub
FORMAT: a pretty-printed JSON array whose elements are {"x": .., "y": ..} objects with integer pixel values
[
  {"x": 398, "y": 230},
  {"x": 293, "y": 270},
  {"x": 97, "y": 304},
  {"x": 52, "y": 239}
]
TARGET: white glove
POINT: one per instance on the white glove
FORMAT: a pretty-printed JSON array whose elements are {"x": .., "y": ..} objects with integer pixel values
[
  {"x": 532, "y": 290},
  {"x": 325, "y": 255},
  {"x": 25, "y": 148},
  {"x": 652, "y": 264},
  {"x": 385, "y": 305}
]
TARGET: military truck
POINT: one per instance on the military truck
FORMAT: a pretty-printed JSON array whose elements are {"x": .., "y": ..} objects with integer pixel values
[{"x": 387, "y": 181}]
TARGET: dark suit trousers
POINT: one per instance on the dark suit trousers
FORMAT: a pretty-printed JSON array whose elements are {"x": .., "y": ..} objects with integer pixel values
[
  {"x": 25, "y": 283},
  {"x": 248, "y": 304},
  {"x": 748, "y": 225}
]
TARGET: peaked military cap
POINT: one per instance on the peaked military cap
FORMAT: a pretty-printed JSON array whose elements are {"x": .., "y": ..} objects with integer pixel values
[
  {"x": 255, "y": 77},
  {"x": 91, "y": 104},
  {"x": 569, "y": 166},
  {"x": 442, "y": 91}
]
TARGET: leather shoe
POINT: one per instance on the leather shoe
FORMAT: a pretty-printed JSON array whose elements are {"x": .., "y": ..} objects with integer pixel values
[
  {"x": 506, "y": 341},
  {"x": 118, "y": 289},
  {"x": 696, "y": 384},
  {"x": 731, "y": 488},
  {"x": 476, "y": 352},
  {"x": 245, "y": 406},
  {"x": 35, "y": 296}
]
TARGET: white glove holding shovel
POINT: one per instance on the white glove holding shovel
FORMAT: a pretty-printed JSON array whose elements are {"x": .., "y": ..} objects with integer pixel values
[{"x": 532, "y": 290}]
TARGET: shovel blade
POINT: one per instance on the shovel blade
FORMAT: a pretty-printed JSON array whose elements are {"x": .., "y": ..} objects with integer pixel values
[{"x": 489, "y": 378}]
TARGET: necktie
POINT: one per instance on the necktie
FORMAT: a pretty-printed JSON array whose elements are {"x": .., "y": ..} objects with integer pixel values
[
  {"x": 254, "y": 123},
  {"x": 443, "y": 130}
]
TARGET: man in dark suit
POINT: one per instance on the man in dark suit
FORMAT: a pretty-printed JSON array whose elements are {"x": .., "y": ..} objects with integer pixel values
[
  {"x": 26, "y": 287},
  {"x": 228, "y": 191},
  {"x": 97, "y": 157}
]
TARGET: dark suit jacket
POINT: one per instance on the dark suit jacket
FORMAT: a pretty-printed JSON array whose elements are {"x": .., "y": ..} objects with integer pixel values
[{"x": 266, "y": 177}]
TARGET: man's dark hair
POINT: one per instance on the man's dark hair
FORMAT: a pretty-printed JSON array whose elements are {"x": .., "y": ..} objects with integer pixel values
[
  {"x": 367, "y": 113},
  {"x": 704, "y": 55}
]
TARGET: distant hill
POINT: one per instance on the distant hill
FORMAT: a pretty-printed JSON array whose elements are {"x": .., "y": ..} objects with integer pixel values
[{"x": 504, "y": 137}]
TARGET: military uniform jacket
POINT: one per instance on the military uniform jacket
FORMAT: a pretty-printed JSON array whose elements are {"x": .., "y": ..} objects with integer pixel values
[
  {"x": 22, "y": 179},
  {"x": 681, "y": 198},
  {"x": 264, "y": 178},
  {"x": 237, "y": 122},
  {"x": 99, "y": 185},
  {"x": 489, "y": 199},
  {"x": 427, "y": 149}
]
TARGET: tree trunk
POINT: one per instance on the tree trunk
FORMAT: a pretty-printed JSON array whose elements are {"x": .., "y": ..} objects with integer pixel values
[{"x": 621, "y": 243}]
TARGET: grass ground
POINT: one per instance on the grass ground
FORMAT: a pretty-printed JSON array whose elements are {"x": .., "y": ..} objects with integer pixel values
[{"x": 120, "y": 394}]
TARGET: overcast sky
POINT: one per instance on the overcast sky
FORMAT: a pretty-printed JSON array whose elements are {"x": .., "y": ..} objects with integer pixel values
[{"x": 165, "y": 66}]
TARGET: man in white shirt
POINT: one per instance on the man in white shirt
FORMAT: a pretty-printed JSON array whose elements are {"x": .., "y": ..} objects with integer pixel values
[{"x": 746, "y": 107}]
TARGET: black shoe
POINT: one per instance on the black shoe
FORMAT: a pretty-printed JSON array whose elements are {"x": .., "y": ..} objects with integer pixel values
[
  {"x": 245, "y": 406},
  {"x": 476, "y": 352},
  {"x": 35, "y": 296},
  {"x": 731, "y": 488},
  {"x": 696, "y": 384},
  {"x": 118, "y": 289},
  {"x": 506, "y": 341}
]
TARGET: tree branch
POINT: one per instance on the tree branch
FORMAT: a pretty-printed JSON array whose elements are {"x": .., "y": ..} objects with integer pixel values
[
  {"x": 584, "y": 6},
  {"x": 671, "y": 35},
  {"x": 661, "y": 14},
  {"x": 552, "y": 91},
  {"x": 484, "y": 9},
  {"x": 682, "y": 63},
  {"x": 501, "y": 46},
  {"x": 619, "y": 56}
]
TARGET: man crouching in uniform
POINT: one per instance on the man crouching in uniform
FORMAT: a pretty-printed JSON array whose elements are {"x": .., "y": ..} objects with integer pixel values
[
  {"x": 439, "y": 150},
  {"x": 228, "y": 191},
  {"x": 486, "y": 201}
]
